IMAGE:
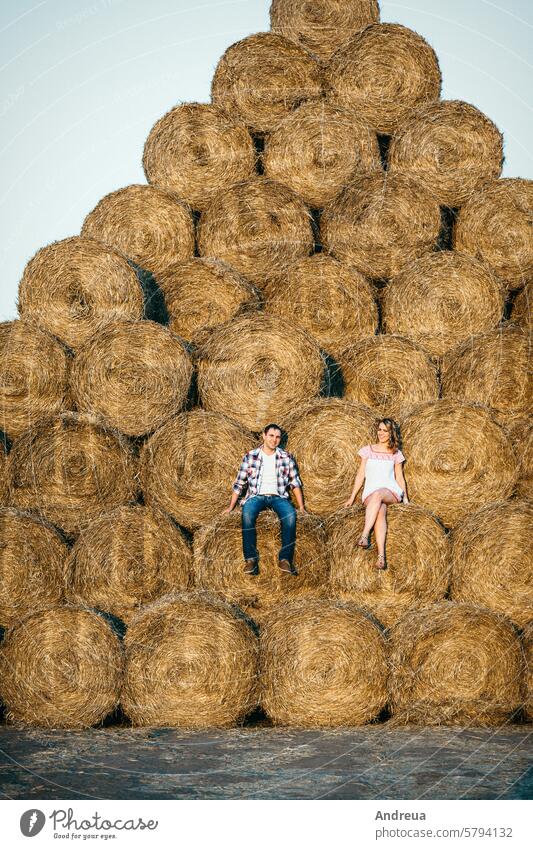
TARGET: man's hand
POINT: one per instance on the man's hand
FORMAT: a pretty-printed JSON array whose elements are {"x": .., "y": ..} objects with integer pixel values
[
  {"x": 227, "y": 510},
  {"x": 303, "y": 511},
  {"x": 348, "y": 503}
]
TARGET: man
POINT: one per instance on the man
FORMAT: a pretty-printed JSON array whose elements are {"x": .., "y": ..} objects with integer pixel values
[{"x": 268, "y": 472}]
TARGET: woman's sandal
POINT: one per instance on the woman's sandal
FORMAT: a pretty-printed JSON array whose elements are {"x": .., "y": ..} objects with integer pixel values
[
  {"x": 363, "y": 542},
  {"x": 380, "y": 563}
]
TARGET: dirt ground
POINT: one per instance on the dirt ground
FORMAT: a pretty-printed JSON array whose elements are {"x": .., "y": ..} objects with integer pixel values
[{"x": 267, "y": 763}]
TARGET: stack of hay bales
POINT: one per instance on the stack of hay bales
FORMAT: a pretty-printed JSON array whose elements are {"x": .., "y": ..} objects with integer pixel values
[{"x": 325, "y": 243}]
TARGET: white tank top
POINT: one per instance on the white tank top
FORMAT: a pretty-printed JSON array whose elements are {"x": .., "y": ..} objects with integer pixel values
[
  {"x": 379, "y": 471},
  {"x": 269, "y": 483}
]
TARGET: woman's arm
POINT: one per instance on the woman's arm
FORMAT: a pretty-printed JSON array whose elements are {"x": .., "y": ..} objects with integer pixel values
[
  {"x": 359, "y": 478},
  {"x": 400, "y": 480}
]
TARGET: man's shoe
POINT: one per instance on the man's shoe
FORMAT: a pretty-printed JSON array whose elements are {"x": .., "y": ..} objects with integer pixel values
[
  {"x": 251, "y": 567},
  {"x": 285, "y": 566}
]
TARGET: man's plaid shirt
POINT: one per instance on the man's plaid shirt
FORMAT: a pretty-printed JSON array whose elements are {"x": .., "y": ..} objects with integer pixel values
[{"x": 251, "y": 471}]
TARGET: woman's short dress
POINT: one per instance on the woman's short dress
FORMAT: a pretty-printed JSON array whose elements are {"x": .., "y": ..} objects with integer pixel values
[{"x": 379, "y": 471}]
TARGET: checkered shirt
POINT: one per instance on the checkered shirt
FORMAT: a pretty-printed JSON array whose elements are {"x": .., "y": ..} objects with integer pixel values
[{"x": 251, "y": 471}]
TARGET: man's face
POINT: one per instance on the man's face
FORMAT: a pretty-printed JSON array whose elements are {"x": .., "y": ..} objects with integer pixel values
[{"x": 272, "y": 438}]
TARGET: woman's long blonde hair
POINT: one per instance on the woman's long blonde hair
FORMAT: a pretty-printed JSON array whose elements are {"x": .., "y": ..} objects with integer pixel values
[{"x": 394, "y": 436}]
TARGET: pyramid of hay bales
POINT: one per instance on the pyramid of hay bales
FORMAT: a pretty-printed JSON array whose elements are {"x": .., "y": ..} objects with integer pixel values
[{"x": 326, "y": 242}]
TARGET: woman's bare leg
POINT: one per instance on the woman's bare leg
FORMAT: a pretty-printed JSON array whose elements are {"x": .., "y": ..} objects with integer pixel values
[
  {"x": 373, "y": 504},
  {"x": 380, "y": 528}
]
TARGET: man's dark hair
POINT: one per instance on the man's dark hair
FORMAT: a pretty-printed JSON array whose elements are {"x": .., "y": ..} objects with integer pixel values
[{"x": 270, "y": 426}]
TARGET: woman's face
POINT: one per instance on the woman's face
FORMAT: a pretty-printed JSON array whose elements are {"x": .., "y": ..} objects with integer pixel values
[{"x": 383, "y": 433}]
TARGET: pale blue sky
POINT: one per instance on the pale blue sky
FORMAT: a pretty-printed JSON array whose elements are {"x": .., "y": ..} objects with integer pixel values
[{"x": 83, "y": 82}]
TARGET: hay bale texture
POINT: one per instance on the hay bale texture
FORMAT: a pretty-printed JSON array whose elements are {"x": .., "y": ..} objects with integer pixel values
[
  {"x": 494, "y": 225},
  {"x": 258, "y": 227},
  {"x": 492, "y": 560},
  {"x": 324, "y": 24},
  {"x": 441, "y": 300},
  {"x": 70, "y": 469},
  {"x": 318, "y": 149},
  {"x": 379, "y": 224},
  {"x": 522, "y": 313},
  {"x": 332, "y": 301},
  {"x": 458, "y": 459},
  {"x": 3, "y": 474},
  {"x": 256, "y": 371},
  {"x": 323, "y": 664},
  {"x": 455, "y": 664},
  {"x": 450, "y": 145},
  {"x": 263, "y": 77},
  {"x": 325, "y": 436},
  {"x": 73, "y": 287},
  {"x": 133, "y": 376},
  {"x": 191, "y": 661},
  {"x": 151, "y": 226},
  {"x": 521, "y": 437},
  {"x": 495, "y": 369},
  {"x": 418, "y": 568},
  {"x": 218, "y": 562},
  {"x": 196, "y": 150},
  {"x": 528, "y": 681},
  {"x": 202, "y": 293},
  {"x": 61, "y": 668},
  {"x": 382, "y": 73},
  {"x": 188, "y": 466},
  {"x": 34, "y": 376},
  {"x": 389, "y": 374},
  {"x": 32, "y": 566},
  {"x": 126, "y": 558}
]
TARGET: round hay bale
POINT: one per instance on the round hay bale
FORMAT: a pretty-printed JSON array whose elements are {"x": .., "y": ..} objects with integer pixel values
[
  {"x": 494, "y": 369},
  {"x": 70, "y": 469},
  {"x": 441, "y": 300},
  {"x": 218, "y": 562},
  {"x": 73, "y": 287},
  {"x": 202, "y": 293},
  {"x": 459, "y": 459},
  {"x": 191, "y": 661},
  {"x": 196, "y": 149},
  {"x": 522, "y": 313},
  {"x": 32, "y": 564},
  {"x": 184, "y": 471},
  {"x": 389, "y": 374},
  {"x": 263, "y": 77},
  {"x": 150, "y": 226},
  {"x": 379, "y": 224},
  {"x": 127, "y": 558},
  {"x": 318, "y": 149},
  {"x": 382, "y": 73},
  {"x": 325, "y": 436},
  {"x": 521, "y": 436},
  {"x": 61, "y": 668},
  {"x": 323, "y": 664},
  {"x": 450, "y": 145},
  {"x": 333, "y": 302},
  {"x": 260, "y": 228},
  {"x": 494, "y": 225},
  {"x": 133, "y": 376},
  {"x": 34, "y": 376},
  {"x": 256, "y": 370},
  {"x": 324, "y": 24},
  {"x": 492, "y": 560},
  {"x": 527, "y": 642},
  {"x": 418, "y": 569},
  {"x": 455, "y": 664}
]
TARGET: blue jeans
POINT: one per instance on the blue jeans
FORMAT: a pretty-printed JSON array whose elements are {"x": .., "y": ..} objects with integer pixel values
[{"x": 287, "y": 516}]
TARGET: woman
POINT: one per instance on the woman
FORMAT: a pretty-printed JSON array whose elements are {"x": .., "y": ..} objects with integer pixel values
[{"x": 381, "y": 470}]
